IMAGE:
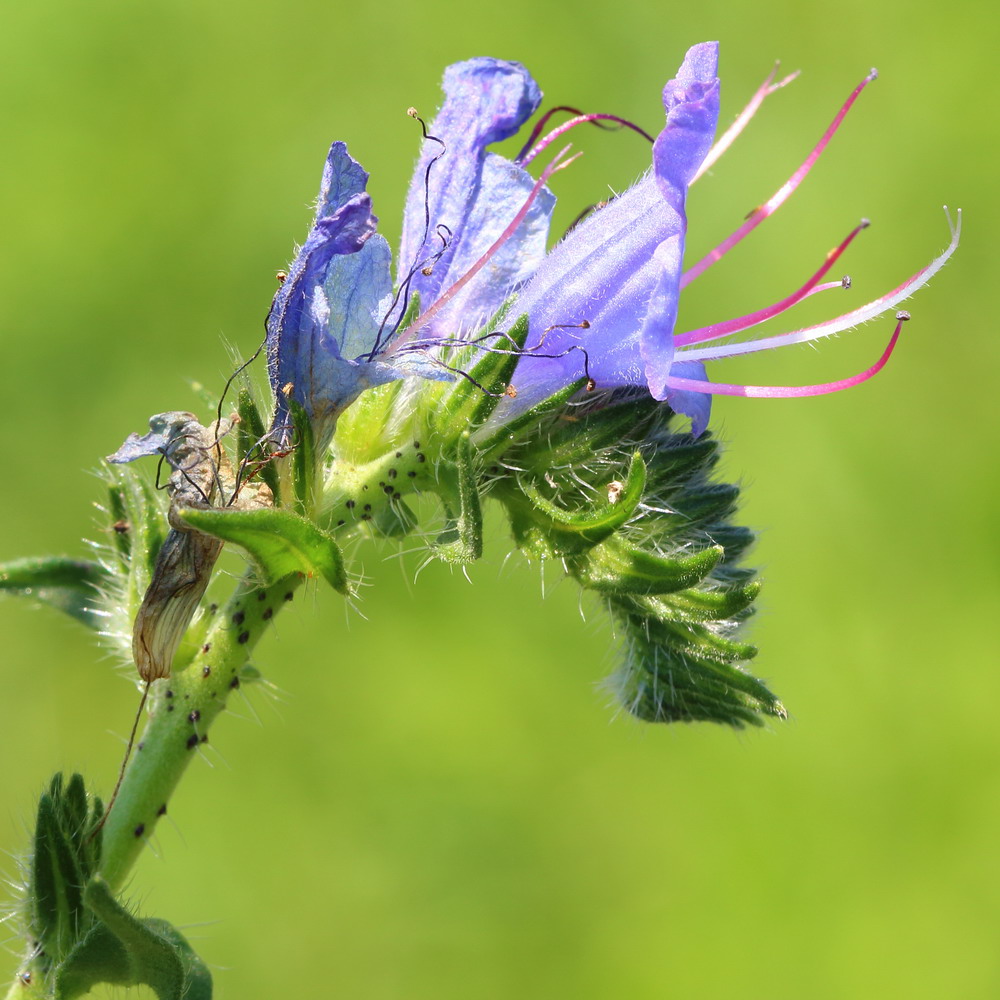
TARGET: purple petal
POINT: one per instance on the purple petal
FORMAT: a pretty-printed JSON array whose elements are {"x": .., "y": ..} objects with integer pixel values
[
  {"x": 691, "y": 101},
  {"x": 321, "y": 288},
  {"x": 486, "y": 101},
  {"x": 503, "y": 190},
  {"x": 343, "y": 177},
  {"x": 619, "y": 270},
  {"x": 696, "y": 405}
]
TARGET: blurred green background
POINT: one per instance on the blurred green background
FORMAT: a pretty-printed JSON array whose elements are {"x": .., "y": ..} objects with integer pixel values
[{"x": 439, "y": 800}]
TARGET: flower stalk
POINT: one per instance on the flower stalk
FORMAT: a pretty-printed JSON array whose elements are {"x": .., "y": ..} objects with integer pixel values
[{"x": 182, "y": 709}]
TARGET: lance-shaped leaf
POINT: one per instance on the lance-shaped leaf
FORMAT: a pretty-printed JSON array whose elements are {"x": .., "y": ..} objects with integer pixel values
[
  {"x": 252, "y": 444},
  {"x": 71, "y": 585},
  {"x": 279, "y": 542},
  {"x": 496, "y": 437},
  {"x": 125, "y": 950},
  {"x": 597, "y": 523},
  {"x": 470, "y": 401},
  {"x": 462, "y": 539},
  {"x": 615, "y": 567}
]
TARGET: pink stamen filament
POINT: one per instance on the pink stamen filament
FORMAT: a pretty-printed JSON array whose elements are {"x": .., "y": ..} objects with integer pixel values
[
  {"x": 837, "y": 325},
  {"x": 781, "y": 195},
  {"x": 790, "y": 391},
  {"x": 557, "y": 164},
  {"x": 572, "y": 123},
  {"x": 540, "y": 127},
  {"x": 717, "y": 330},
  {"x": 743, "y": 119}
]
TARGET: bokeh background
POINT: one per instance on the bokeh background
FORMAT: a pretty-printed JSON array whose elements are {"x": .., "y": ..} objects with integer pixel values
[{"x": 437, "y": 799}]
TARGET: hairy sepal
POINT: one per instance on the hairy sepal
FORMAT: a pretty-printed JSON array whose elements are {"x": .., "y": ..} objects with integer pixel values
[{"x": 660, "y": 552}]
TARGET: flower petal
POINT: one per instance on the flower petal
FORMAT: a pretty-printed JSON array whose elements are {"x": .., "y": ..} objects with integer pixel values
[
  {"x": 503, "y": 190},
  {"x": 343, "y": 177},
  {"x": 619, "y": 269},
  {"x": 486, "y": 101},
  {"x": 691, "y": 101},
  {"x": 321, "y": 288},
  {"x": 696, "y": 405}
]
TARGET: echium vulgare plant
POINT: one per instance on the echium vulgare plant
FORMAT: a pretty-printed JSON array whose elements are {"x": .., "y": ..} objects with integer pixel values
[{"x": 551, "y": 380}]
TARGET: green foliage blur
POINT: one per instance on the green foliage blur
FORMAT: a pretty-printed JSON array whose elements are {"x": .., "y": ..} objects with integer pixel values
[{"x": 437, "y": 799}]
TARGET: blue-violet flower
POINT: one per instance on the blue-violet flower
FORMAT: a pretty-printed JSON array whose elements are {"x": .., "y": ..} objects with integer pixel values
[{"x": 601, "y": 304}]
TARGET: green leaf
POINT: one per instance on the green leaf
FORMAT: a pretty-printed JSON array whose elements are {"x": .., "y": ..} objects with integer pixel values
[
  {"x": 462, "y": 539},
  {"x": 667, "y": 679},
  {"x": 471, "y": 400},
  {"x": 498, "y": 439},
  {"x": 125, "y": 950},
  {"x": 304, "y": 471},
  {"x": 616, "y": 567},
  {"x": 64, "y": 856},
  {"x": 575, "y": 438},
  {"x": 597, "y": 523},
  {"x": 279, "y": 542},
  {"x": 250, "y": 434},
  {"x": 71, "y": 585}
]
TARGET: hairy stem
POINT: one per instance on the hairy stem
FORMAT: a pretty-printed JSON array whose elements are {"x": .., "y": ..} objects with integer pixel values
[{"x": 182, "y": 707}]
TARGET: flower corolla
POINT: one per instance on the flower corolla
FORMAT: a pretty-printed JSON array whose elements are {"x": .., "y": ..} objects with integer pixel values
[{"x": 601, "y": 305}]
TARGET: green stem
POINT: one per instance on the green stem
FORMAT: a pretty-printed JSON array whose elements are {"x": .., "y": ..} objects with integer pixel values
[{"x": 182, "y": 707}]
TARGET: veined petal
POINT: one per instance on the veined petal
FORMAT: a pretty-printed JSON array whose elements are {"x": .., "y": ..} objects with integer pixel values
[
  {"x": 503, "y": 189},
  {"x": 343, "y": 177},
  {"x": 486, "y": 101},
  {"x": 619, "y": 270},
  {"x": 691, "y": 101},
  {"x": 696, "y": 405},
  {"x": 303, "y": 350}
]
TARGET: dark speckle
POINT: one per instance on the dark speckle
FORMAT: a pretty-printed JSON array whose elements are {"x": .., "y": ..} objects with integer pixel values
[
  {"x": 243, "y": 637},
  {"x": 139, "y": 746},
  {"x": 389, "y": 489},
  {"x": 365, "y": 486},
  {"x": 421, "y": 457},
  {"x": 212, "y": 608},
  {"x": 289, "y": 596},
  {"x": 399, "y": 454},
  {"x": 206, "y": 671},
  {"x": 192, "y": 741},
  {"x": 162, "y": 811},
  {"x": 234, "y": 683},
  {"x": 341, "y": 523},
  {"x": 170, "y": 708},
  {"x": 366, "y": 517},
  {"x": 412, "y": 474},
  {"x": 238, "y": 618},
  {"x": 204, "y": 738},
  {"x": 393, "y": 473},
  {"x": 416, "y": 444},
  {"x": 349, "y": 505},
  {"x": 261, "y": 595},
  {"x": 206, "y": 647},
  {"x": 140, "y": 830},
  {"x": 368, "y": 506},
  {"x": 168, "y": 693},
  {"x": 194, "y": 715},
  {"x": 268, "y": 612}
]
